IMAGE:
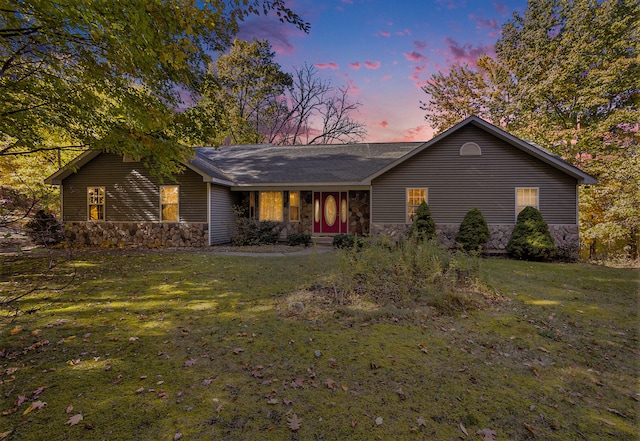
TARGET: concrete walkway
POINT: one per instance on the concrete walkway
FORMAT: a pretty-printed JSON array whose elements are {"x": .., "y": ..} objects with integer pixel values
[{"x": 304, "y": 252}]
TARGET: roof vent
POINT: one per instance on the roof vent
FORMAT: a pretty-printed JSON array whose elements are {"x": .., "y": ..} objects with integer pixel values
[{"x": 470, "y": 149}]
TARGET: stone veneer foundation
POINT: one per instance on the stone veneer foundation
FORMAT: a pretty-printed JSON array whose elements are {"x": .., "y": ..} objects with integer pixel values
[
  {"x": 566, "y": 237},
  {"x": 137, "y": 234}
]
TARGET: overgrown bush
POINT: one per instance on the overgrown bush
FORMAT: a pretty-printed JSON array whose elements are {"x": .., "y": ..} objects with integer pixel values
[
  {"x": 474, "y": 231},
  {"x": 248, "y": 231},
  {"x": 423, "y": 226},
  {"x": 531, "y": 239},
  {"x": 414, "y": 270},
  {"x": 348, "y": 241},
  {"x": 295, "y": 239},
  {"x": 44, "y": 229}
]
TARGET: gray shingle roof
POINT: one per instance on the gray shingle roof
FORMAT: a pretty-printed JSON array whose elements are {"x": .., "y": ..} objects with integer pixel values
[{"x": 267, "y": 164}]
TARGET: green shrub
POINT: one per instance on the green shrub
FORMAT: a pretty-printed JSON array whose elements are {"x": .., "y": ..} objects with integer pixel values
[
  {"x": 299, "y": 239},
  {"x": 248, "y": 231},
  {"x": 531, "y": 239},
  {"x": 44, "y": 229},
  {"x": 348, "y": 241},
  {"x": 474, "y": 232},
  {"x": 423, "y": 227}
]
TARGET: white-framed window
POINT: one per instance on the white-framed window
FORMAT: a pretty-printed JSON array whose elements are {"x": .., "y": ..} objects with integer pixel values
[
  {"x": 415, "y": 196},
  {"x": 271, "y": 208},
  {"x": 95, "y": 204},
  {"x": 294, "y": 206},
  {"x": 526, "y": 197},
  {"x": 169, "y": 203}
]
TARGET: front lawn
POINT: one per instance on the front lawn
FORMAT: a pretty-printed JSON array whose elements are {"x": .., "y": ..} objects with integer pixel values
[{"x": 174, "y": 345}]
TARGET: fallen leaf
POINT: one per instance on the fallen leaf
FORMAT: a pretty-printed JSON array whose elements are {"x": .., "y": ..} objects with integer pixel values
[
  {"x": 74, "y": 420},
  {"x": 610, "y": 423},
  {"x": 3, "y": 435},
  {"x": 294, "y": 422},
  {"x": 237, "y": 350},
  {"x": 529, "y": 427},
  {"x": 207, "y": 381},
  {"x": 464, "y": 429},
  {"x": 190, "y": 362},
  {"x": 487, "y": 434},
  {"x": 35, "y": 405},
  {"x": 421, "y": 422},
  {"x": 331, "y": 384},
  {"x": 379, "y": 421},
  {"x": 69, "y": 408},
  {"x": 10, "y": 371},
  {"x": 21, "y": 399},
  {"x": 177, "y": 436},
  {"x": 15, "y": 330},
  {"x": 133, "y": 338},
  {"x": 401, "y": 394}
]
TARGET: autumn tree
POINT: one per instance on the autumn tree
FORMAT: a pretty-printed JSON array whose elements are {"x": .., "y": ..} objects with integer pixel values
[
  {"x": 110, "y": 74},
  {"x": 245, "y": 88},
  {"x": 260, "y": 103},
  {"x": 565, "y": 75}
]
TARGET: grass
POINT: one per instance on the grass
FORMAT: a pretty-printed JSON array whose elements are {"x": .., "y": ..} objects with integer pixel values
[{"x": 151, "y": 346}]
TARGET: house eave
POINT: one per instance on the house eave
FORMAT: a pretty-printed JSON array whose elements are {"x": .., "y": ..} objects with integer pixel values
[
  {"x": 324, "y": 186},
  {"x": 71, "y": 168}
]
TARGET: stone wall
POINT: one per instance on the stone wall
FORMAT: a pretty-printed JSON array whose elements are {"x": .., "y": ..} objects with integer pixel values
[
  {"x": 137, "y": 234},
  {"x": 359, "y": 212},
  {"x": 566, "y": 237}
]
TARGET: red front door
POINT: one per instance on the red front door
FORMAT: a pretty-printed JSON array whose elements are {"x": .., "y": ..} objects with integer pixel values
[{"x": 330, "y": 212}]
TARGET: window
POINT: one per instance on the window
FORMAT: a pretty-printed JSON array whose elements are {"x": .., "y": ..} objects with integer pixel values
[
  {"x": 252, "y": 204},
  {"x": 95, "y": 203},
  {"x": 271, "y": 206},
  {"x": 415, "y": 196},
  {"x": 294, "y": 206},
  {"x": 526, "y": 197},
  {"x": 470, "y": 149},
  {"x": 169, "y": 198}
]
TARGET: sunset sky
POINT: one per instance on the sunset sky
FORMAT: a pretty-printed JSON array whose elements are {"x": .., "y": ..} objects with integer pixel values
[{"x": 385, "y": 50}]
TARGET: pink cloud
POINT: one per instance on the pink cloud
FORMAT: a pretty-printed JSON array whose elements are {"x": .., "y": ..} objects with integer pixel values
[
  {"x": 384, "y": 124},
  {"x": 331, "y": 65},
  {"x": 420, "y": 45},
  {"x": 419, "y": 133},
  {"x": 355, "y": 65},
  {"x": 352, "y": 88},
  {"x": 466, "y": 53},
  {"x": 373, "y": 65},
  {"x": 386, "y": 78},
  {"x": 485, "y": 23},
  {"x": 502, "y": 9},
  {"x": 385, "y": 33},
  {"x": 414, "y": 56},
  {"x": 415, "y": 75}
]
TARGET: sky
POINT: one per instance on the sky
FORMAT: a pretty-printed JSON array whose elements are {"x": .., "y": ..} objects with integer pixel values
[{"x": 385, "y": 50}]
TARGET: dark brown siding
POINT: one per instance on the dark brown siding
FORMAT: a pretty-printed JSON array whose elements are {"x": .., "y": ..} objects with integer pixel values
[
  {"x": 132, "y": 194},
  {"x": 487, "y": 182}
]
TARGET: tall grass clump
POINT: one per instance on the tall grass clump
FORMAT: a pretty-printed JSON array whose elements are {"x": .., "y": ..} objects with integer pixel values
[{"x": 412, "y": 271}]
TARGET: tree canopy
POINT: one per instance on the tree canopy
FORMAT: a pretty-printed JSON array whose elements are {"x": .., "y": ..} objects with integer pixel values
[
  {"x": 565, "y": 75},
  {"x": 110, "y": 74},
  {"x": 258, "y": 102}
]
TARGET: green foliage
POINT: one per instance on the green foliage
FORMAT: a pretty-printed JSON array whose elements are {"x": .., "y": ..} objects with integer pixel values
[
  {"x": 348, "y": 241},
  {"x": 44, "y": 229},
  {"x": 248, "y": 231},
  {"x": 531, "y": 239},
  {"x": 423, "y": 226},
  {"x": 299, "y": 239},
  {"x": 414, "y": 269},
  {"x": 110, "y": 75},
  {"x": 245, "y": 86},
  {"x": 544, "y": 85},
  {"x": 474, "y": 232}
]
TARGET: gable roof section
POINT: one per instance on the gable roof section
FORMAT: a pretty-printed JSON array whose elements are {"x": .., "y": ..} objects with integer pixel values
[
  {"x": 528, "y": 147},
  {"x": 331, "y": 164},
  {"x": 264, "y": 165}
]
